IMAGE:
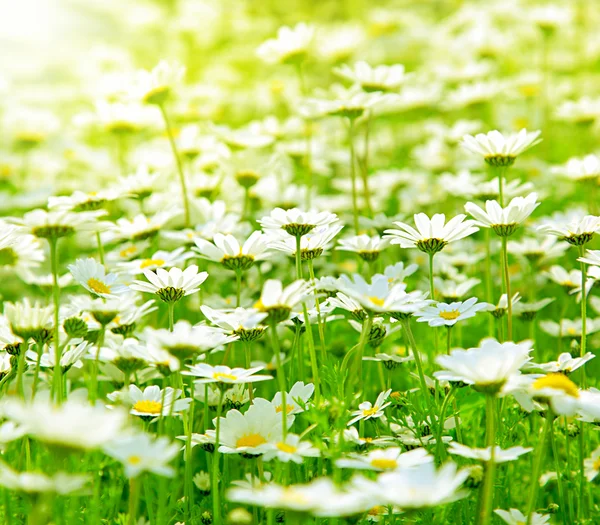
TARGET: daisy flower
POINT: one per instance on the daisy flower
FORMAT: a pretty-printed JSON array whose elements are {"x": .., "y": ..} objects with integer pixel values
[
  {"x": 296, "y": 399},
  {"x": 488, "y": 367},
  {"x": 295, "y": 221},
  {"x": 277, "y": 302},
  {"x": 366, "y": 247},
  {"x": 369, "y": 78},
  {"x": 153, "y": 402},
  {"x": 243, "y": 322},
  {"x": 290, "y": 47},
  {"x": 432, "y": 234},
  {"x": 227, "y": 250},
  {"x": 577, "y": 232},
  {"x": 155, "y": 86},
  {"x": 141, "y": 453},
  {"x": 380, "y": 297},
  {"x": 93, "y": 277},
  {"x": 172, "y": 285},
  {"x": 73, "y": 424},
  {"x": 55, "y": 224},
  {"x": 565, "y": 363},
  {"x": 516, "y": 517},
  {"x": 504, "y": 221},
  {"x": 224, "y": 374},
  {"x": 36, "y": 483},
  {"x": 159, "y": 259},
  {"x": 442, "y": 314},
  {"x": 253, "y": 432},
  {"x": 485, "y": 454},
  {"x": 312, "y": 245},
  {"x": 498, "y": 149},
  {"x": 291, "y": 448},
  {"x": 381, "y": 460},
  {"x": 422, "y": 486},
  {"x": 581, "y": 169},
  {"x": 368, "y": 411},
  {"x": 19, "y": 251}
]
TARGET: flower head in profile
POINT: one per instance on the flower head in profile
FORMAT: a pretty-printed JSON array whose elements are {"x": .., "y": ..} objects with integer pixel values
[
  {"x": 277, "y": 302},
  {"x": 141, "y": 453},
  {"x": 578, "y": 231},
  {"x": 291, "y": 448},
  {"x": 290, "y": 47},
  {"x": 93, "y": 277},
  {"x": 243, "y": 322},
  {"x": 156, "y": 86},
  {"x": 498, "y": 149},
  {"x": 431, "y": 235},
  {"x": 485, "y": 454},
  {"x": 380, "y": 296},
  {"x": 592, "y": 465},
  {"x": 152, "y": 402},
  {"x": 35, "y": 483},
  {"x": 172, "y": 285},
  {"x": 365, "y": 246},
  {"x": 369, "y": 78},
  {"x": 442, "y": 314},
  {"x": 488, "y": 367},
  {"x": 227, "y": 250},
  {"x": 516, "y": 517},
  {"x": 295, "y": 221},
  {"x": 223, "y": 374},
  {"x": 504, "y": 221},
  {"x": 388, "y": 459}
]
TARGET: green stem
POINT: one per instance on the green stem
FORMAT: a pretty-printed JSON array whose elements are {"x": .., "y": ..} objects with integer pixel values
[
  {"x": 134, "y": 499},
  {"x": 298, "y": 257},
  {"x": 320, "y": 321},
  {"x": 215, "y": 470},
  {"x": 353, "y": 174},
  {"x": 188, "y": 422},
  {"x": 507, "y": 283},
  {"x": 365, "y": 166},
  {"x": 487, "y": 489},
  {"x": 583, "y": 314},
  {"x": 431, "y": 287},
  {"x": 238, "y": 284},
  {"x": 184, "y": 192},
  {"x": 561, "y": 492},
  {"x": 537, "y": 466},
  {"x": 280, "y": 377},
  {"x": 171, "y": 307},
  {"x": 100, "y": 248},
  {"x": 57, "y": 376}
]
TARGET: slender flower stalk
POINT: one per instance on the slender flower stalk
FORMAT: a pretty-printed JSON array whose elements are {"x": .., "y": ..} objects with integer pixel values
[
  {"x": 181, "y": 173},
  {"x": 537, "y": 466},
  {"x": 355, "y": 210},
  {"x": 57, "y": 376},
  {"x": 486, "y": 497}
]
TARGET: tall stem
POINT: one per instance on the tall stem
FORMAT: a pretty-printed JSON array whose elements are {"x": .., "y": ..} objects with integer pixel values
[
  {"x": 171, "y": 307},
  {"x": 215, "y": 470},
  {"x": 100, "y": 248},
  {"x": 537, "y": 465},
  {"x": 507, "y": 282},
  {"x": 561, "y": 492},
  {"x": 365, "y": 166},
  {"x": 134, "y": 499},
  {"x": 353, "y": 174},
  {"x": 280, "y": 377},
  {"x": 431, "y": 286},
  {"x": 184, "y": 193},
  {"x": 57, "y": 376},
  {"x": 487, "y": 489},
  {"x": 238, "y": 287},
  {"x": 583, "y": 314},
  {"x": 298, "y": 256},
  {"x": 416, "y": 355},
  {"x": 312, "y": 353}
]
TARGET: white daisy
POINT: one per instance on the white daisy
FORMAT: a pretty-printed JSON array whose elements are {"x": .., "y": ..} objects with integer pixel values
[
  {"x": 498, "y": 149},
  {"x": 93, "y": 277},
  {"x": 366, "y": 410},
  {"x": 485, "y": 454},
  {"x": 442, "y": 314},
  {"x": 504, "y": 221},
  {"x": 171, "y": 286},
  {"x": 432, "y": 234},
  {"x": 224, "y": 374}
]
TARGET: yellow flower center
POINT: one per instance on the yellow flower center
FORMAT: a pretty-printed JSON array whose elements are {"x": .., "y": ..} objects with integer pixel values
[
  {"x": 449, "y": 315},
  {"x": 596, "y": 464},
  {"x": 128, "y": 251},
  {"x": 557, "y": 381},
  {"x": 250, "y": 440},
  {"x": 220, "y": 376},
  {"x": 293, "y": 496},
  {"x": 288, "y": 449},
  {"x": 376, "y": 511},
  {"x": 134, "y": 460},
  {"x": 384, "y": 464},
  {"x": 377, "y": 300},
  {"x": 151, "y": 262},
  {"x": 571, "y": 331},
  {"x": 148, "y": 406},
  {"x": 370, "y": 411},
  {"x": 258, "y": 305},
  {"x": 98, "y": 286},
  {"x": 279, "y": 408}
]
